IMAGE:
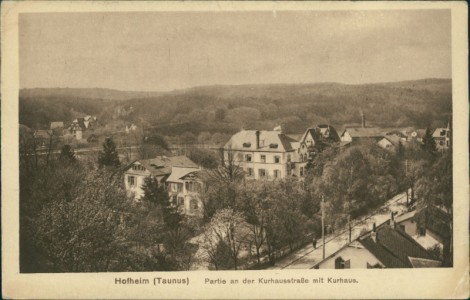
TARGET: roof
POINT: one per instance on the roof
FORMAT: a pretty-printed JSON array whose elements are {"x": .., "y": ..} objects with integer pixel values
[
  {"x": 359, "y": 132},
  {"x": 163, "y": 165},
  {"x": 322, "y": 131},
  {"x": 394, "y": 248},
  {"x": 270, "y": 141},
  {"x": 57, "y": 125},
  {"x": 424, "y": 263},
  {"x": 405, "y": 216},
  {"x": 440, "y": 132},
  {"x": 177, "y": 174},
  {"x": 393, "y": 139}
]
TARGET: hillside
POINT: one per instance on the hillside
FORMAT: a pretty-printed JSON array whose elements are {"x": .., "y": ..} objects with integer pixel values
[{"x": 226, "y": 109}]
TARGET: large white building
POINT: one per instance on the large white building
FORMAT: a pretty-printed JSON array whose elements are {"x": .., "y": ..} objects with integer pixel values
[{"x": 263, "y": 154}]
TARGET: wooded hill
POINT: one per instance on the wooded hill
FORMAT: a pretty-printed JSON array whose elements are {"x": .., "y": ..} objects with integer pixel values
[{"x": 226, "y": 109}]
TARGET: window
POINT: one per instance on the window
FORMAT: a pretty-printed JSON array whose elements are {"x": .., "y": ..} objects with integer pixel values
[
  {"x": 301, "y": 171},
  {"x": 273, "y": 146},
  {"x": 263, "y": 158},
  {"x": 179, "y": 187},
  {"x": 342, "y": 264},
  {"x": 248, "y": 157},
  {"x": 288, "y": 157},
  {"x": 249, "y": 171},
  {"x": 262, "y": 173},
  {"x": 441, "y": 143},
  {"x": 189, "y": 186},
  {"x": 277, "y": 159},
  {"x": 131, "y": 180},
  {"x": 277, "y": 173}
]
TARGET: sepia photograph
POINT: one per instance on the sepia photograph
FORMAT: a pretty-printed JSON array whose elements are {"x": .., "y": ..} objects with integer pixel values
[{"x": 235, "y": 140}]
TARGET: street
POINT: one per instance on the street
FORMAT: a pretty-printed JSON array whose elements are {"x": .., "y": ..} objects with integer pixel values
[{"x": 307, "y": 257}]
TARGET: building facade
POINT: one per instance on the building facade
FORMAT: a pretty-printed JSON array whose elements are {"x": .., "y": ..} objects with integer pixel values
[
  {"x": 176, "y": 173},
  {"x": 263, "y": 155}
]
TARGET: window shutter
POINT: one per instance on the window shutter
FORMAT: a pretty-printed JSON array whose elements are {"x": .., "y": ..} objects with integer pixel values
[{"x": 347, "y": 264}]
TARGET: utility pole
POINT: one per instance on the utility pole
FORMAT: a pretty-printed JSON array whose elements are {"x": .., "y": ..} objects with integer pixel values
[
  {"x": 323, "y": 223},
  {"x": 406, "y": 177}
]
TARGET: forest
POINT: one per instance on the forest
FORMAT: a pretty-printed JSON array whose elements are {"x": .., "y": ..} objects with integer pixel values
[{"x": 213, "y": 113}]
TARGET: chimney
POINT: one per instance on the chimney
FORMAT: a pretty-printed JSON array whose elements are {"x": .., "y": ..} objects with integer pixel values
[
  {"x": 363, "y": 120},
  {"x": 257, "y": 139},
  {"x": 373, "y": 234}
]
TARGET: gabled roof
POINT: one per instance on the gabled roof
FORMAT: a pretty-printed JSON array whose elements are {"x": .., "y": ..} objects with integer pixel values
[
  {"x": 324, "y": 131},
  {"x": 394, "y": 248},
  {"x": 440, "y": 132},
  {"x": 359, "y": 132},
  {"x": 393, "y": 139},
  {"x": 270, "y": 141},
  {"x": 163, "y": 165},
  {"x": 177, "y": 174}
]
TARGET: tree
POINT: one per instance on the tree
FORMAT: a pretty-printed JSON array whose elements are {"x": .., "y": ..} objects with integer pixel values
[
  {"x": 86, "y": 234},
  {"x": 108, "y": 157},
  {"x": 67, "y": 154},
  {"x": 153, "y": 192},
  {"x": 227, "y": 227},
  {"x": 435, "y": 189},
  {"x": 429, "y": 144}
]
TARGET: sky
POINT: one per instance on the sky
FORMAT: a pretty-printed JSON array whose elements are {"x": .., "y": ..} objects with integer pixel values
[{"x": 162, "y": 51}]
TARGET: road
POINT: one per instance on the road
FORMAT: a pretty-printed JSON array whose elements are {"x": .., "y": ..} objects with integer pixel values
[{"x": 307, "y": 257}]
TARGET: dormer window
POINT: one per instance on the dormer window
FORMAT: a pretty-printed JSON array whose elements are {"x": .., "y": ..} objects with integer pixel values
[
  {"x": 246, "y": 145},
  {"x": 273, "y": 146}
]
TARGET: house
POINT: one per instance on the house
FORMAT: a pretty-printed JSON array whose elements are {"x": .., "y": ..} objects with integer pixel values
[
  {"x": 170, "y": 171},
  {"x": 184, "y": 188},
  {"x": 314, "y": 140},
  {"x": 390, "y": 142},
  {"x": 442, "y": 137},
  {"x": 263, "y": 154},
  {"x": 76, "y": 130},
  {"x": 358, "y": 134},
  {"x": 384, "y": 247},
  {"x": 130, "y": 128},
  {"x": 419, "y": 231}
]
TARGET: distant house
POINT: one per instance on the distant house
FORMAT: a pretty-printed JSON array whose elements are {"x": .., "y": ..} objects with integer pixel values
[
  {"x": 390, "y": 142},
  {"x": 76, "y": 130},
  {"x": 130, "y": 128},
  {"x": 88, "y": 121},
  {"x": 442, "y": 137},
  {"x": 412, "y": 134},
  {"x": 173, "y": 172},
  {"x": 358, "y": 134},
  {"x": 266, "y": 155},
  {"x": 313, "y": 140},
  {"x": 384, "y": 247}
]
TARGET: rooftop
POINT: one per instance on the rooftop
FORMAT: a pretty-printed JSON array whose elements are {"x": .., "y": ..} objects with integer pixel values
[
  {"x": 270, "y": 141},
  {"x": 394, "y": 248}
]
